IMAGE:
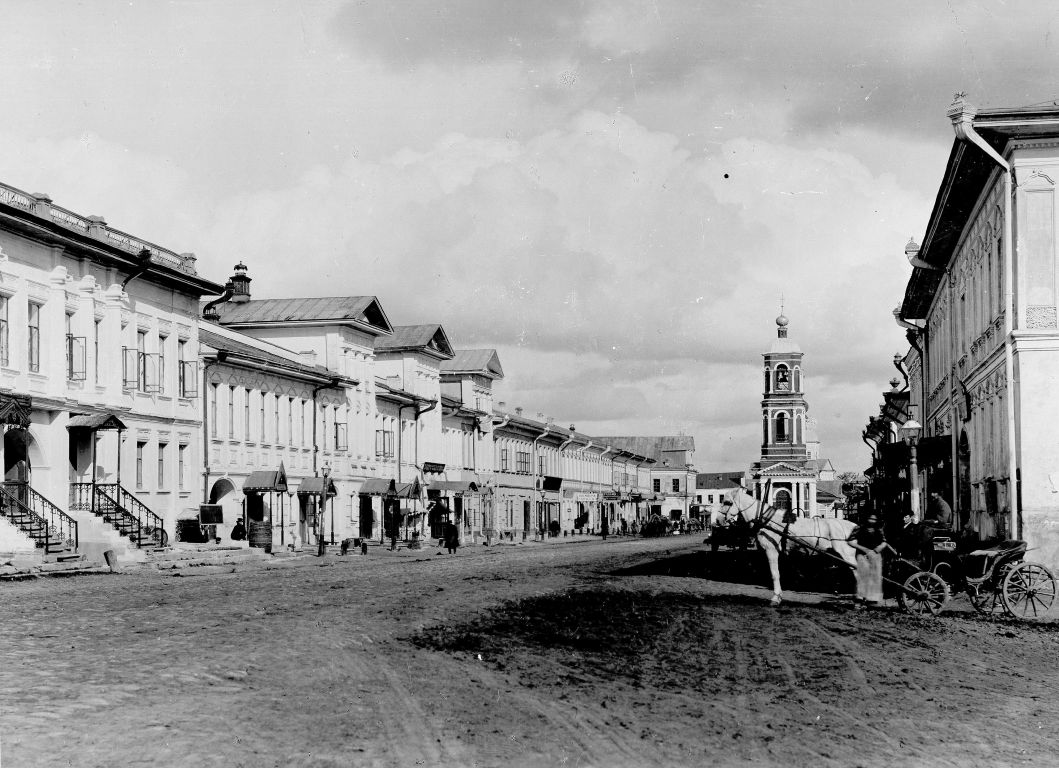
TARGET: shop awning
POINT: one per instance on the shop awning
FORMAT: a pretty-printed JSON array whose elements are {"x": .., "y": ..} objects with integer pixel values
[
  {"x": 377, "y": 486},
  {"x": 456, "y": 487},
  {"x": 412, "y": 490},
  {"x": 549, "y": 483},
  {"x": 95, "y": 421},
  {"x": 266, "y": 481},
  {"x": 314, "y": 486}
]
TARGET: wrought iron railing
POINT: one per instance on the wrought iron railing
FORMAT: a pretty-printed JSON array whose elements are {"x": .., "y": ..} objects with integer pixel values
[
  {"x": 48, "y": 525},
  {"x": 137, "y": 520}
]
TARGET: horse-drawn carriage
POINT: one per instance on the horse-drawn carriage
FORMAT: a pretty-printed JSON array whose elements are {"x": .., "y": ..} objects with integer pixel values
[{"x": 996, "y": 579}]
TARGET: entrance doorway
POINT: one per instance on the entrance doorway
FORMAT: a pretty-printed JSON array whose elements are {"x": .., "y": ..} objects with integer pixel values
[
  {"x": 17, "y": 462},
  {"x": 782, "y": 501},
  {"x": 963, "y": 464},
  {"x": 367, "y": 517}
]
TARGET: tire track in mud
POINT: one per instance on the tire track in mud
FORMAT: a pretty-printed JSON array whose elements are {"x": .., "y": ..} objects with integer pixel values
[
  {"x": 862, "y": 662},
  {"x": 590, "y": 737}
]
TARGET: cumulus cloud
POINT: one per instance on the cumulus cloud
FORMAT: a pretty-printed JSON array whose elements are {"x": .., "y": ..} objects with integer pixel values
[{"x": 614, "y": 194}]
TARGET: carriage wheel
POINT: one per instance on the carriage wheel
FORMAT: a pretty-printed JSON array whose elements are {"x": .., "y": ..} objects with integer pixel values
[
  {"x": 1028, "y": 591},
  {"x": 924, "y": 593}
]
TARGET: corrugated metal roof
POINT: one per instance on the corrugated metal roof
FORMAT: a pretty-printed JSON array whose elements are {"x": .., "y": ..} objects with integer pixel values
[
  {"x": 363, "y": 309},
  {"x": 425, "y": 337},
  {"x": 718, "y": 479},
  {"x": 218, "y": 342},
  {"x": 652, "y": 447},
  {"x": 481, "y": 361}
]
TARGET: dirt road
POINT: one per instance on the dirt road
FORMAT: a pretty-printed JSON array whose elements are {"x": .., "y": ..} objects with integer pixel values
[{"x": 416, "y": 659}]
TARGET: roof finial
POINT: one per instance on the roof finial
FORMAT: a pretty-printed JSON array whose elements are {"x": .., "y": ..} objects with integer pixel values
[{"x": 781, "y": 321}]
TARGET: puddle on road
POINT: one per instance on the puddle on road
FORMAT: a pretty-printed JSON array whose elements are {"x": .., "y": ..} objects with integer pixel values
[{"x": 799, "y": 573}]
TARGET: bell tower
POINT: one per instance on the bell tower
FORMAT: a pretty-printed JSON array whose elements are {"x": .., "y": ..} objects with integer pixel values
[
  {"x": 784, "y": 464},
  {"x": 783, "y": 407}
]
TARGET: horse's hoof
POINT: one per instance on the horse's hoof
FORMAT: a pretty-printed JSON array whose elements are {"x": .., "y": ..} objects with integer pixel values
[{"x": 775, "y": 601}]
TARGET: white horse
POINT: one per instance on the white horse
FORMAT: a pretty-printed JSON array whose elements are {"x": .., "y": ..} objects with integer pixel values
[{"x": 774, "y": 535}]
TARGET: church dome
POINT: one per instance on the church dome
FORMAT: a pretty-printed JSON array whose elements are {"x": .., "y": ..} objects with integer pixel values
[{"x": 782, "y": 321}]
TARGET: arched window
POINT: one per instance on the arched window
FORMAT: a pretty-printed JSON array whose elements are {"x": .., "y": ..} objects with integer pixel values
[
  {"x": 783, "y": 378},
  {"x": 782, "y": 500},
  {"x": 768, "y": 380},
  {"x": 782, "y": 432}
]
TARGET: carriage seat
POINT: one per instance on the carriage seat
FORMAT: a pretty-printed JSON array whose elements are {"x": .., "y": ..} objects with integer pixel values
[{"x": 1001, "y": 548}]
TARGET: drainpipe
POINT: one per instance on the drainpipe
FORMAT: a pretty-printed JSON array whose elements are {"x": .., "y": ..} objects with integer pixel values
[
  {"x": 220, "y": 358},
  {"x": 207, "y": 311},
  {"x": 962, "y": 116},
  {"x": 609, "y": 449},
  {"x": 415, "y": 426},
  {"x": 540, "y": 514},
  {"x": 562, "y": 469},
  {"x": 332, "y": 384},
  {"x": 144, "y": 257}
]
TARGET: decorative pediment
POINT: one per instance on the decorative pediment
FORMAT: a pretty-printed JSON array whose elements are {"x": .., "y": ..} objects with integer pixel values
[{"x": 783, "y": 469}]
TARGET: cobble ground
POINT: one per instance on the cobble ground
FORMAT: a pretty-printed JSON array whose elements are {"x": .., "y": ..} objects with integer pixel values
[{"x": 535, "y": 655}]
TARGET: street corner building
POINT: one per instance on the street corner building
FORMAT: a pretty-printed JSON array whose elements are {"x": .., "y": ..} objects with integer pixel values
[
  {"x": 980, "y": 312},
  {"x": 98, "y": 383}
]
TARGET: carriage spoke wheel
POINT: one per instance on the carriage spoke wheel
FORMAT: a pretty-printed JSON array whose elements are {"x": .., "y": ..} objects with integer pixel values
[
  {"x": 1028, "y": 591},
  {"x": 924, "y": 593}
]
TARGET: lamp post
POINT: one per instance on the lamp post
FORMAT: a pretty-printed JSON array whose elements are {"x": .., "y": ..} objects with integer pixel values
[
  {"x": 910, "y": 432},
  {"x": 321, "y": 549}
]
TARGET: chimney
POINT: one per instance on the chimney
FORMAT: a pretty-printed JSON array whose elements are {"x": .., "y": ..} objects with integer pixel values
[{"x": 241, "y": 292}]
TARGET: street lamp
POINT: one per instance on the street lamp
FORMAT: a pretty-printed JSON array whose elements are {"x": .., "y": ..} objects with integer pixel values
[
  {"x": 910, "y": 432},
  {"x": 321, "y": 547}
]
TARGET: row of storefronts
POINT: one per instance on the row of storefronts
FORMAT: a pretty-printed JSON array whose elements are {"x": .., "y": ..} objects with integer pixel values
[{"x": 143, "y": 403}]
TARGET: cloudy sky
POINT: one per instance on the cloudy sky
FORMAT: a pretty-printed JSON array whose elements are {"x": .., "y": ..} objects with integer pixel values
[{"x": 614, "y": 194}]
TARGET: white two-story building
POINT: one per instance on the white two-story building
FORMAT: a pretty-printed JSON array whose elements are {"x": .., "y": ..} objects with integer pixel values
[{"x": 99, "y": 380}]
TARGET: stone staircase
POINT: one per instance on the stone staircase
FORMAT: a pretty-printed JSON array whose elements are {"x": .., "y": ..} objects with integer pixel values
[
  {"x": 120, "y": 509},
  {"x": 53, "y": 532}
]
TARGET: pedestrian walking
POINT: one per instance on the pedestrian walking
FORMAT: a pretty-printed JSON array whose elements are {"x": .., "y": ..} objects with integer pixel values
[
  {"x": 605, "y": 528},
  {"x": 869, "y": 542},
  {"x": 452, "y": 537}
]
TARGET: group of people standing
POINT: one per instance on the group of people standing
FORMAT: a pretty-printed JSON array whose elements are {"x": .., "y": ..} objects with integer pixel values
[{"x": 910, "y": 541}]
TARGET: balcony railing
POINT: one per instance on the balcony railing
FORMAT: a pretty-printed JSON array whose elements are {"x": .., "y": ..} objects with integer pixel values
[{"x": 94, "y": 227}]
